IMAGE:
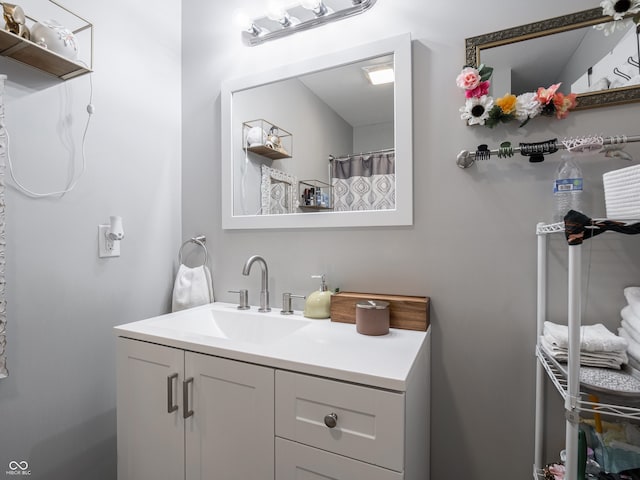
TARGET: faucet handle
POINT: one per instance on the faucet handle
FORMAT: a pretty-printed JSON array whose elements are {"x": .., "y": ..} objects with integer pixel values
[
  {"x": 286, "y": 303},
  {"x": 244, "y": 298}
]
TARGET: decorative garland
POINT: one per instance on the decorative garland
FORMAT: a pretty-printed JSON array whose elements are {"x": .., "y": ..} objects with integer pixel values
[{"x": 481, "y": 108}]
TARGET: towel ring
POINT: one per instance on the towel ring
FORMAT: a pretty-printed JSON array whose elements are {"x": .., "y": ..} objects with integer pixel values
[{"x": 198, "y": 241}]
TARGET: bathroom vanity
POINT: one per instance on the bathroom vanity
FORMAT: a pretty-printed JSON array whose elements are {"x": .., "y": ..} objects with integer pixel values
[{"x": 213, "y": 392}]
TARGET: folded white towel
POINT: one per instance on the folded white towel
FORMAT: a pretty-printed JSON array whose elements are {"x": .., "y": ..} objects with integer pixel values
[
  {"x": 632, "y": 294},
  {"x": 591, "y": 359},
  {"x": 633, "y": 348},
  {"x": 191, "y": 288},
  {"x": 593, "y": 338}
]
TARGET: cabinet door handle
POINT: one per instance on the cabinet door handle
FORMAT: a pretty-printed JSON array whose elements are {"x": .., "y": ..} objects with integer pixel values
[
  {"x": 170, "y": 406},
  {"x": 331, "y": 420},
  {"x": 186, "y": 413}
]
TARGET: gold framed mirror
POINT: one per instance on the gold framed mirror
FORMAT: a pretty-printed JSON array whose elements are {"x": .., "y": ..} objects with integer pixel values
[{"x": 524, "y": 53}]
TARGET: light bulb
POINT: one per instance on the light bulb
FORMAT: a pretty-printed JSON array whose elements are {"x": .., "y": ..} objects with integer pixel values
[
  {"x": 310, "y": 4},
  {"x": 276, "y": 12},
  {"x": 242, "y": 20},
  {"x": 316, "y": 6}
]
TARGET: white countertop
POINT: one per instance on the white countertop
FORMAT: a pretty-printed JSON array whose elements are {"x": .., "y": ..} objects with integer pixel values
[{"x": 323, "y": 348}]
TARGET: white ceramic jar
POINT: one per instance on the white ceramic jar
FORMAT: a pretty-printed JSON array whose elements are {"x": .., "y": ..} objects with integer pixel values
[{"x": 55, "y": 37}]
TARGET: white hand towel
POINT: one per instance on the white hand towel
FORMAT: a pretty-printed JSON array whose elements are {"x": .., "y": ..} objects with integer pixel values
[
  {"x": 632, "y": 294},
  {"x": 631, "y": 318},
  {"x": 593, "y": 338},
  {"x": 191, "y": 288}
]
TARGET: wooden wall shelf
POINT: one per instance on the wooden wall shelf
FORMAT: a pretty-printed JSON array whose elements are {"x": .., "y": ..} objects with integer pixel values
[{"x": 28, "y": 53}]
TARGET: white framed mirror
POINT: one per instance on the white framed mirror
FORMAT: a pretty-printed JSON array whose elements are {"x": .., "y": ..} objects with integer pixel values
[{"x": 305, "y": 120}]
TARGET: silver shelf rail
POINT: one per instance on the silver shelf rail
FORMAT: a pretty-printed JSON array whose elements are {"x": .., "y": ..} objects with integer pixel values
[{"x": 467, "y": 158}]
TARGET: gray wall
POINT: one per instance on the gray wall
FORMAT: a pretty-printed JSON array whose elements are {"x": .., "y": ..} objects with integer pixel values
[
  {"x": 472, "y": 246},
  {"x": 57, "y": 407}
]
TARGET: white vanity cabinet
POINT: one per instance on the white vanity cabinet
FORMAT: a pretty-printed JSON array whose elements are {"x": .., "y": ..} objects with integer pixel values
[
  {"x": 363, "y": 426},
  {"x": 229, "y": 410},
  {"x": 321, "y": 402}
]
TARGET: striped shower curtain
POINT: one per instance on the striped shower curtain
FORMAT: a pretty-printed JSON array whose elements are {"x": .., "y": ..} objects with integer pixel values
[{"x": 364, "y": 182}]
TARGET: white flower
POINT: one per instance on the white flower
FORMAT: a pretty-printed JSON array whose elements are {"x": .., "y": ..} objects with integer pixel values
[
  {"x": 609, "y": 27},
  {"x": 527, "y": 106},
  {"x": 476, "y": 110},
  {"x": 619, "y": 8}
]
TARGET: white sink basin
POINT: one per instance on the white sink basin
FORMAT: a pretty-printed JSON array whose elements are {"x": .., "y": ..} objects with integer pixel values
[{"x": 237, "y": 325}]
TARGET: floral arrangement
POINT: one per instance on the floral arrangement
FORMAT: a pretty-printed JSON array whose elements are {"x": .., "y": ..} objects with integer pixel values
[
  {"x": 482, "y": 109},
  {"x": 620, "y": 11}
]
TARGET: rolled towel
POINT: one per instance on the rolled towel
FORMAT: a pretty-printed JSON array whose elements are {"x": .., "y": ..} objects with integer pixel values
[
  {"x": 191, "y": 288},
  {"x": 632, "y": 294},
  {"x": 633, "y": 348},
  {"x": 631, "y": 318},
  {"x": 631, "y": 330},
  {"x": 593, "y": 338}
]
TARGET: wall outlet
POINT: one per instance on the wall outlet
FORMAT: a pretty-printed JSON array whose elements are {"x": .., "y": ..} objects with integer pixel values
[{"x": 107, "y": 247}]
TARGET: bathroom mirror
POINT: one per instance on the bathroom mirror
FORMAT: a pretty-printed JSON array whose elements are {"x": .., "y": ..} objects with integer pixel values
[
  {"x": 602, "y": 69},
  {"x": 292, "y": 119}
]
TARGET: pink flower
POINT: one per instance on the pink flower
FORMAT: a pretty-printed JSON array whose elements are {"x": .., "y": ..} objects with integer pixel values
[
  {"x": 468, "y": 79},
  {"x": 563, "y": 104},
  {"x": 545, "y": 95},
  {"x": 480, "y": 90}
]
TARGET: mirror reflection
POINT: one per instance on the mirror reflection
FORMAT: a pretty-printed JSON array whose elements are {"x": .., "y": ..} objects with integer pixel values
[
  {"x": 592, "y": 56},
  {"x": 318, "y": 142},
  {"x": 584, "y": 60}
]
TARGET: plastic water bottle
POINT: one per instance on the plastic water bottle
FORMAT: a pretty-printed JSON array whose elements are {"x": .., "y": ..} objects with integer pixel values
[{"x": 567, "y": 188}]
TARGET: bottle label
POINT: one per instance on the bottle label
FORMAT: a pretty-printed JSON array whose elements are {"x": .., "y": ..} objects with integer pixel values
[{"x": 567, "y": 185}]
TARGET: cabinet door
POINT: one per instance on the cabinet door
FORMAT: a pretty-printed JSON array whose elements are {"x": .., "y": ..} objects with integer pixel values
[
  {"x": 295, "y": 461},
  {"x": 230, "y": 435},
  {"x": 150, "y": 437}
]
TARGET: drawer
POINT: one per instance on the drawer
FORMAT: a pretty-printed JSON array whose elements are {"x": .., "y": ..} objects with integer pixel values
[
  {"x": 295, "y": 461},
  {"x": 369, "y": 422}
]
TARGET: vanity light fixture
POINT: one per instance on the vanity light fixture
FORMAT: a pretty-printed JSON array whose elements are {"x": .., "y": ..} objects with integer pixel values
[
  {"x": 285, "y": 19},
  {"x": 379, "y": 74}
]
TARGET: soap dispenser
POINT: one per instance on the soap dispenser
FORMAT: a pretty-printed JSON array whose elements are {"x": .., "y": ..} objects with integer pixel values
[{"x": 318, "y": 304}]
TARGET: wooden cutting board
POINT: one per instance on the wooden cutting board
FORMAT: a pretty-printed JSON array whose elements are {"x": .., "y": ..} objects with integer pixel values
[{"x": 407, "y": 312}]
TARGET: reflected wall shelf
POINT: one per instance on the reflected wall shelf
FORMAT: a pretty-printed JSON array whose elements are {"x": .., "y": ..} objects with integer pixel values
[
  {"x": 268, "y": 152},
  {"x": 28, "y": 53},
  {"x": 267, "y": 139}
]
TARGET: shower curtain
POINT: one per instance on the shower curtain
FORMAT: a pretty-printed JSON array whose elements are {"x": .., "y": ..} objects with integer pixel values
[{"x": 364, "y": 182}]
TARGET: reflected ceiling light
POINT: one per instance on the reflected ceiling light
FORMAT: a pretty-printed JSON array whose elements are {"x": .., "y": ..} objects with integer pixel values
[
  {"x": 282, "y": 20},
  {"x": 379, "y": 74}
]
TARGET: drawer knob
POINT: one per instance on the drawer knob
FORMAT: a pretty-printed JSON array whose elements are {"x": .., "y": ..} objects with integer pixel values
[{"x": 331, "y": 420}]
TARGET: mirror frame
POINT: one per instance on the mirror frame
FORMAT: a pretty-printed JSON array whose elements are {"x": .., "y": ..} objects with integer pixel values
[
  {"x": 400, "y": 47},
  {"x": 572, "y": 21}
]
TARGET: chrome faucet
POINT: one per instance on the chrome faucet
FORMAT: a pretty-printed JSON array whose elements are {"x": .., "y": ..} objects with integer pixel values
[{"x": 264, "y": 291}]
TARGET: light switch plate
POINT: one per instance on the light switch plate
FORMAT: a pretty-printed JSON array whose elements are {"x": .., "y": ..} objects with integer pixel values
[{"x": 105, "y": 247}]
